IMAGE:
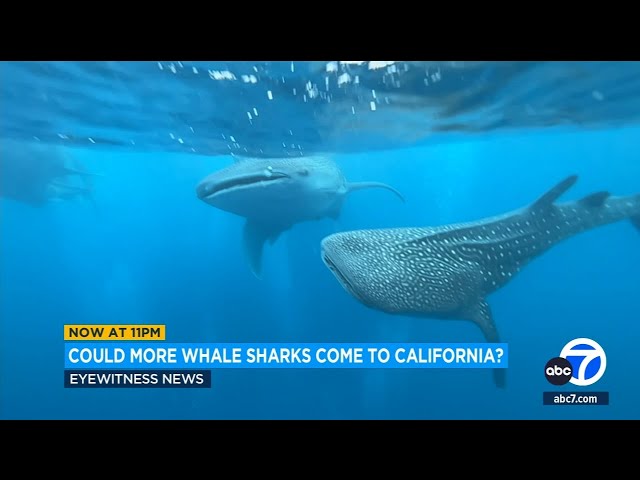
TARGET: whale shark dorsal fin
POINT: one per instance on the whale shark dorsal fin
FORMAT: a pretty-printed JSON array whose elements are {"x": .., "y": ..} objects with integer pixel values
[
  {"x": 255, "y": 235},
  {"x": 480, "y": 314},
  {"x": 595, "y": 199},
  {"x": 353, "y": 186},
  {"x": 546, "y": 200}
]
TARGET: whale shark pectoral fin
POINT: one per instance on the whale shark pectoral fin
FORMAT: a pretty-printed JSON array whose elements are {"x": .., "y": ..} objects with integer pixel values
[
  {"x": 83, "y": 191},
  {"x": 635, "y": 221},
  {"x": 75, "y": 171},
  {"x": 72, "y": 188},
  {"x": 500, "y": 377},
  {"x": 480, "y": 314},
  {"x": 334, "y": 213},
  {"x": 546, "y": 200},
  {"x": 255, "y": 235},
  {"x": 352, "y": 187}
]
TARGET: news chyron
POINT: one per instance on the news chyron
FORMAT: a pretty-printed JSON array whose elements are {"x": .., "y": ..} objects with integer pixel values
[
  {"x": 77, "y": 354},
  {"x": 112, "y": 356}
]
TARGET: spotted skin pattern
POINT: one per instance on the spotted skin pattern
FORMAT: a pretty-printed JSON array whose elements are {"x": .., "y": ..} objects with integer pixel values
[{"x": 447, "y": 272}]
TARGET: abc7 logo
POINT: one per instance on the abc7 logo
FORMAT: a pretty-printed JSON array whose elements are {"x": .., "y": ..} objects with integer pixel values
[
  {"x": 587, "y": 354},
  {"x": 558, "y": 371}
]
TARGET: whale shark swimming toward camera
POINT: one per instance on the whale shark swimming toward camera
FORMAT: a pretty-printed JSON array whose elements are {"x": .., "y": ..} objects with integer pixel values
[
  {"x": 447, "y": 272},
  {"x": 275, "y": 194}
]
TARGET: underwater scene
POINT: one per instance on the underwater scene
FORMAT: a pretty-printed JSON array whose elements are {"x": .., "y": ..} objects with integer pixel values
[{"x": 325, "y": 203}]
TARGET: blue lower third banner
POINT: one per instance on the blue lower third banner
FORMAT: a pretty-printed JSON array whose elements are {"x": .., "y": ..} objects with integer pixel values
[
  {"x": 97, "y": 355},
  {"x": 137, "y": 378}
]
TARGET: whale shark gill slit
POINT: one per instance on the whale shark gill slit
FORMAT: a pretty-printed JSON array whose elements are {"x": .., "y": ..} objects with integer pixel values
[{"x": 341, "y": 278}]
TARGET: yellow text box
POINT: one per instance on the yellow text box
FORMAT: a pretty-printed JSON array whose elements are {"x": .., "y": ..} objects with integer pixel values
[{"x": 114, "y": 332}]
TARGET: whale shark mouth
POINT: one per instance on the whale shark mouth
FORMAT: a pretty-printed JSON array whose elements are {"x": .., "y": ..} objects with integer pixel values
[
  {"x": 339, "y": 275},
  {"x": 244, "y": 181}
]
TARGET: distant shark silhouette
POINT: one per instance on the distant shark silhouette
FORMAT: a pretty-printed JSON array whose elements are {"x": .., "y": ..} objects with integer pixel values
[
  {"x": 275, "y": 194},
  {"x": 447, "y": 272},
  {"x": 36, "y": 174}
]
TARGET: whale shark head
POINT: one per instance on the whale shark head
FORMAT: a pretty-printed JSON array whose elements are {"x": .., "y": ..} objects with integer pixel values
[
  {"x": 262, "y": 188},
  {"x": 357, "y": 260}
]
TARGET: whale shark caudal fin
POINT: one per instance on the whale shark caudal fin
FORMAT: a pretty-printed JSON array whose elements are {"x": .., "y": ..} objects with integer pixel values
[
  {"x": 255, "y": 235},
  {"x": 547, "y": 200},
  {"x": 352, "y": 187},
  {"x": 481, "y": 315}
]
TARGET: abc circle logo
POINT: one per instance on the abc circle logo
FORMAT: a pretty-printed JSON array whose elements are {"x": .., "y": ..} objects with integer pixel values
[
  {"x": 582, "y": 362},
  {"x": 558, "y": 371}
]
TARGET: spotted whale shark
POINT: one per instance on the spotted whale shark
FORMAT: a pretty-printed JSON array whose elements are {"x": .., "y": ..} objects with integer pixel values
[
  {"x": 447, "y": 272},
  {"x": 275, "y": 194}
]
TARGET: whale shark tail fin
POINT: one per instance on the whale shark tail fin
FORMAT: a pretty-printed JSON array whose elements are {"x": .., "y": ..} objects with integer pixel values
[
  {"x": 353, "y": 186},
  {"x": 547, "y": 200},
  {"x": 481, "y": 315}
]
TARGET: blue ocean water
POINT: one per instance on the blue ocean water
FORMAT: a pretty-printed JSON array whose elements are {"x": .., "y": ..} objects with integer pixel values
[{"x": 146, "y": 250}]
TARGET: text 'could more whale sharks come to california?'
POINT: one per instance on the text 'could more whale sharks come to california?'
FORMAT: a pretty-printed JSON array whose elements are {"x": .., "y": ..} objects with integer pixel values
[
  {"x": 447, "y": 272},
  {"x": 275, "y": 194}
]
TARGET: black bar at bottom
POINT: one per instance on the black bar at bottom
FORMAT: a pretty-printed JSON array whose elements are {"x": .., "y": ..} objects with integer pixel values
[
  {"x": 575, "y": 398},
  {"x": 137, "y": 378}
]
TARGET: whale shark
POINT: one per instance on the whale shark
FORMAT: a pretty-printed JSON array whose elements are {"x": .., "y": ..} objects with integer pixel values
[
  {"x": 36, "y": 174},
  {"x": 275, "y": 194},
  {"x": 447, "y": 272}
]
